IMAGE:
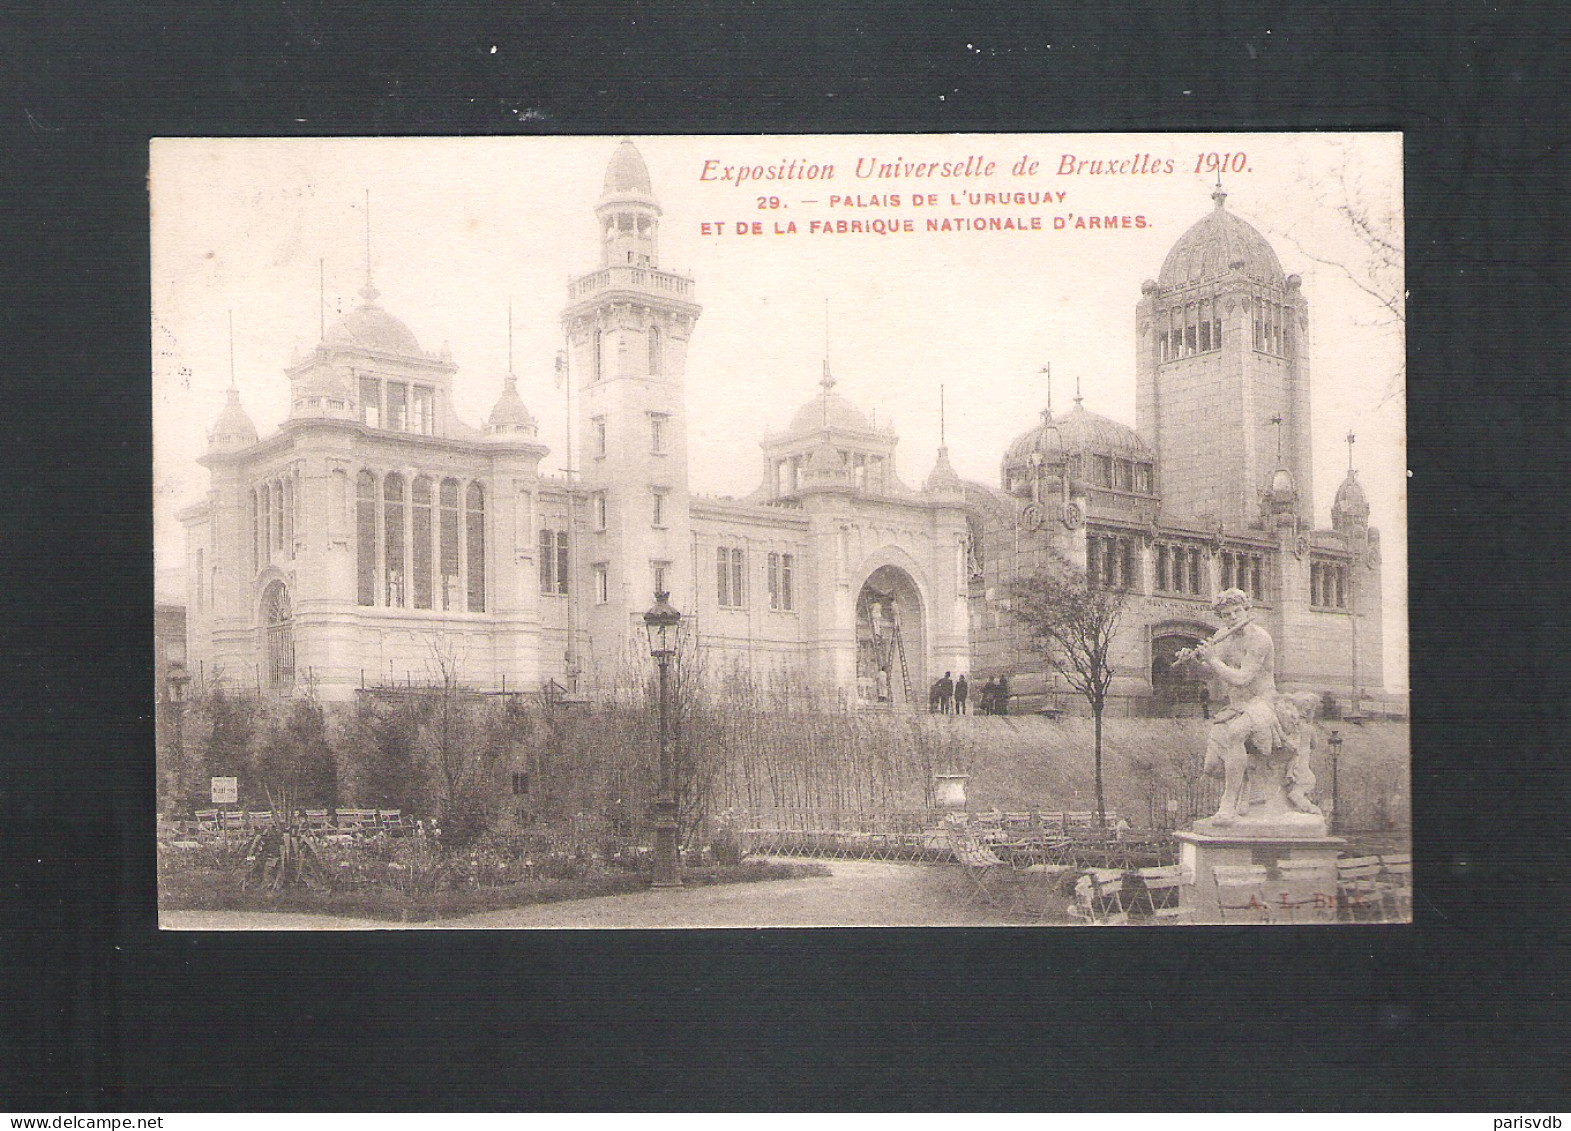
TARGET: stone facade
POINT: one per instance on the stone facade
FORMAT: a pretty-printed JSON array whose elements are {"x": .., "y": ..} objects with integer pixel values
[{"x": 377, "y": 538}]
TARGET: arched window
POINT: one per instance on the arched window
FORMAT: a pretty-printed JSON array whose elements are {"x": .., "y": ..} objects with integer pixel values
[
  {"x": 278, "y": 628},
  {"x": 276, "y": 490},
  {"x": 447, "y": 561},
  {"x": 393, "y": 540},
  {"x": 474, "y": 531},
  {"x": 365, "y": 538},
  {"x": 654, "y": 351},
  {"x": 420, "y": 526},
  {"x": 265, "y": 529},
  {"x": 289, "y": 516}
]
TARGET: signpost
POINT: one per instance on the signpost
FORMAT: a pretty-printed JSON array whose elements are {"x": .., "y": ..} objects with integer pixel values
[{"x": 226, "y": 791}]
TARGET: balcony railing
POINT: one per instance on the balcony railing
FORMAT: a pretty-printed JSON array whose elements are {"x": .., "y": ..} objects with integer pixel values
[{"x": 643, "y": 278}]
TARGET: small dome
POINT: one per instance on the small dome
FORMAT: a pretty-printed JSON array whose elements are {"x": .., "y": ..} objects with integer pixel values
[
  {"x": 825, "y": 467},
  {"x": 1284, "y": 492},
  {"x": 943, "y": 477},
  {"x": 233, "y": 429},
  {"x": 1078, "y": 431},
  {"x": 510, "y": 416},
  {"x": 1218, "y": 244},
  {"x": 832, "y": 409},
  {"x": 627, "y": 173},
  {"x": 369, "y": 327},
  {"x": 1350, "y": 499}
]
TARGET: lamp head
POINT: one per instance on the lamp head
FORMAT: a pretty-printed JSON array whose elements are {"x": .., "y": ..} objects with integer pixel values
[{"x": 662, "y": 624}]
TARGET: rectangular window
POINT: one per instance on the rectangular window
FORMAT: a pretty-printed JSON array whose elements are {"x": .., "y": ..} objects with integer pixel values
[
  {"x": 420, "y": 525},
  {"x": 370, "y": 402},
  {"x": 397, "y": 406},
  {"x": 1196, "y": 586},
  {"x": 547, "y": 561},
  {"x": 421, "y": 410},
  {"x": 447, "y": 551},
  {"x": 657, "y": 510},
  {"x": 1104, "y": 470},
  {"x": 723, "y": 576},
  {"x": 602, "y": 583},
  {"x": 774, "y": 580},
  {"x": 600, "y": 511},
  {"x": 561, "y": 562},
  {"x": 1161, "y": 568},
  {"x": 657, "y": 432},
  {"x": 739, "y": 577},
  {"x": 599, "y": 435},
  {"x": 731, "y": 576},
  {"x": 787, "y": 602},
  {"x": 521, "y": 783}
]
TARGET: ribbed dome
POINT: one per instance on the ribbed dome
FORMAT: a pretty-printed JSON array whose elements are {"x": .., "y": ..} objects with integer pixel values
[
  {"x": 1078, "y": 431},
  {"x": 1216, "y": 246},
  {"x": 511, "y": 415},
  {"x": 233, "y": 430},
  {"x": 840, "y": 413},
  {"x": 372, "y": 328},
  {"x": 1350, "y": 498},
  {"x": 627, "y": 172}
]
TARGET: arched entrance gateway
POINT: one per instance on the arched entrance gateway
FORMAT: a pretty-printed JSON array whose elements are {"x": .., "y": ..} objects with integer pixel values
[
  {"x": 890, "y": 641},
  {"x": 1172, "y": 684},
  {"x": 278, "y": 637}
]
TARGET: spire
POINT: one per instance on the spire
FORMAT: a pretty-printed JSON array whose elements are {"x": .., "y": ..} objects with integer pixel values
[
  {"x": 1217, "y": 194},
  {"x": 943, "y": 447},
  {"x": 232, "y": 352},
  {"x": 369, "y": 291},
  {"x": 1351, "y": 440},
  {"x": 1078, "y": 397},
  {"x": 1047, "y": 381}
]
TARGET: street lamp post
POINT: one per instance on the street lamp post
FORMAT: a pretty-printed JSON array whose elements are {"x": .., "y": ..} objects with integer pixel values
[
  {"x": 176, "y": 680},
  {"x": 1334, "y": 740},
  {"x": 663, "y": 625}
]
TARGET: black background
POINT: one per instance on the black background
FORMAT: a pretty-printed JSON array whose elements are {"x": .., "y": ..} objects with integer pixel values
[{"x": 1464, "y": 1010}]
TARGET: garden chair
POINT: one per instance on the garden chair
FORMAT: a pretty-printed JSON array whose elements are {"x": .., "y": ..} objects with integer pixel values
[
  {"x": 1099, "y": 898},
  {"x": 982, "y": 866},
  {"x": 1358, "y": 886},
  {"x": 1161, "y": 898},
  {"x": 1242, "y": 895},
  {"x": 207, "y": 820},
  {"x": 1396, "y": 878}
]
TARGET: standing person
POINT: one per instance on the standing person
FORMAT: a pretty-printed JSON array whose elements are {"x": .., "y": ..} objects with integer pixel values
[
  {"x": 946, "y": 693},
  {"x": 932, "y": 697},
  {"x": 986, "y": 699},
  {"x": 962, "y": 690}
]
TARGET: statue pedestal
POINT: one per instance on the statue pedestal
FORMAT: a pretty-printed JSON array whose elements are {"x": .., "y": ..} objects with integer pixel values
[{"x": 1269, "y": 842}]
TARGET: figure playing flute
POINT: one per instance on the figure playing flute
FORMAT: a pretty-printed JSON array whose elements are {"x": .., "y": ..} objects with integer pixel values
[{"x": 1243, "y": 657}]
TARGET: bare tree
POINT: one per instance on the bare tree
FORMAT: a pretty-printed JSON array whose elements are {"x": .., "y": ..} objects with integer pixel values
[{"x": 1073, "y": 625}]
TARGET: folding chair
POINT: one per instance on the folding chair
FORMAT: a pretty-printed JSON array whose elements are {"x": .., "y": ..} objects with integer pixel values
[
  {"x": 1161, "y": 899},
  {"x": 1358, "y": 887},
  {"x": 1099, "y": 898},
  {"x": 1396, "y": 878}
]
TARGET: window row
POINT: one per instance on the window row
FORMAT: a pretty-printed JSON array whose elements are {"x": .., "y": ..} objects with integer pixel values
[
  {"x": 1193, "y": 328},
  {"x": 1328, "y": 585},
  {"x": 1273, "y": 328},
  {"x": 1111, "y": 561},
  {"x": 1242, "y": 571},
  {"x": 418, "y": 544},
  {"x": 867, "y": 472},
  {"x": 1179, "y": 569},
  {"x": 1123, "y": 474},
  {"x": 275, "y": 510},
  {"x": 397, "y": 406}
]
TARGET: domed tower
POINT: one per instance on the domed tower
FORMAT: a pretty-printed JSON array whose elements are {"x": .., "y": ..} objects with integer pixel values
[
  {"x": 1350, "y": 510},
  {"x": 627, "y": 325},
  {"x": 1080, "y": 455},
  {"x": 233, "y": 430},
  {"x": 830, "y": 430},
  {"x": 1220, "y": 356}
]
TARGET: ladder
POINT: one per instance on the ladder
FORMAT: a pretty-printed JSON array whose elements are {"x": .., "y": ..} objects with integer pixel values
[{"x": 905, "y": 672}]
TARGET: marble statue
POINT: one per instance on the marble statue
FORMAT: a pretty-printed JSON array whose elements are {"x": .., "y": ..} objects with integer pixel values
[{"x": 1260, "y": 741}]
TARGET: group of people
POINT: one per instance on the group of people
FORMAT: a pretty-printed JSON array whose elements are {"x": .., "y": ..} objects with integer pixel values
[{"x": 950, "y": 696}]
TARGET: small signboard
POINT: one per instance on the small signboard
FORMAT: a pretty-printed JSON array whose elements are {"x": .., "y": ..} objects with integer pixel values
[{"x": 226, "y": 791}]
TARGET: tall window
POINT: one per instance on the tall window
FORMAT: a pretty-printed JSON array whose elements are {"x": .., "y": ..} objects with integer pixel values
[
  {"x": 257, "y": 547},
  {"x": 447, "y": 549},
  {"x": 422, "y": 415},
  {"x": 600, "y": 510},
  {"x": 420, "y": 511},
  {"x": 599, "y": 435},
  {"x": 602, "y": 583},
  {"x": 393, "y": 540},
  {"x": 553, "y": 562},
  {"x": 780, "y": 594},
  {"x": 201, "y": 596},
  {"x": 371, "y": 402},
  {"x": 365, "y": 538},
  {"x": 1110, "y": 561},
  {"x": 657, "y": 509},
  {"x": 280, "y": 641},
  {"x": 657, "y": 432},
  {"x": 474, "y": 529},
  {"x": 654, "y": 351},
  {"x": 731, "y": 576},
  {"x": 1243, "y": 571}
]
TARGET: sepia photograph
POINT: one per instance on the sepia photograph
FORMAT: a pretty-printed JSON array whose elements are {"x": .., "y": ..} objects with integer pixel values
[{"x": 780, "y": 531}]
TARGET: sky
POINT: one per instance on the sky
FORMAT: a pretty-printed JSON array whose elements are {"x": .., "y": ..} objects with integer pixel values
[{"x": 271, "y": 234}]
